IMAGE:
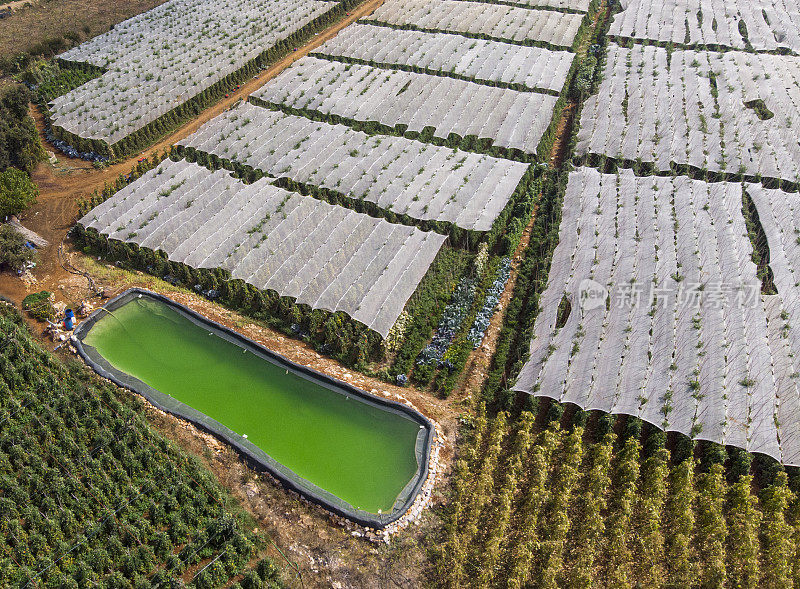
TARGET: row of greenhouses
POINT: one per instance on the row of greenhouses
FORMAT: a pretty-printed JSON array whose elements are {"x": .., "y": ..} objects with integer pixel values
[
  {"x": 325, "y": 256},
  {"x": 519, "y": 23},
  {"x": 510, "y": 118},
  {"x": 534, "y": 68},
  {"x": 653, "y": 308},
  {"x": 160, "y": 59},
  {"x": 739, "y": 24},
  {"x": 407, "y": 177},
  {"x": 567, "y": 5},
  {"x": 732, "y": 112}
]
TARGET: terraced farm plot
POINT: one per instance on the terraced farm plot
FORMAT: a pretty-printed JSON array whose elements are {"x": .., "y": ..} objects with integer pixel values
[
  {"x": 763, "y": 25},
  {"x": 478, "y": 59},
  {"x": 509, "y": 118},
  {"x": 322, "y": 255},
  {"x": 407, "y": 177},
  {"x": 498, "y": 21},
  {"x": 158, "y": 60},
  {"x": 725, "y": 112},
  {"x": 665, "y": 319}
]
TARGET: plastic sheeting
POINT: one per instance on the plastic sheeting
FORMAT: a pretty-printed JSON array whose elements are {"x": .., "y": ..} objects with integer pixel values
[
  {"x": 323, "y": 255},
  {"x": 768, "y": 24},
  {"x": 391, "y": 97},
  {"x": 667, "y": 320},
  {"x": 667, "y": 113},
  {"x": 392, "y": 172},
  {"x": 534, "y": 67},
  {"x": 160, "y": 59},
  {"x": 512, "y": 23}
]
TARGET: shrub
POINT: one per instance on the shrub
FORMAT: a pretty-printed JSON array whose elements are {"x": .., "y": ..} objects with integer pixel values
[
  {"x": 13, "y": 253},
  {"x": 39, "y": 305},
  {"x": 17, "y": 192}
]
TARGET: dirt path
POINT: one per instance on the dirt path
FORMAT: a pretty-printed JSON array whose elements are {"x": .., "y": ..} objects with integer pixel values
[
  {"x": 62, "y": 185},
  {"x": 477, "y": 366}
]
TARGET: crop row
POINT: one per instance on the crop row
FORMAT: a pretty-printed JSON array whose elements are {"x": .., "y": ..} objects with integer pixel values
[
  {"x": 591, "y": 500},
  {"x": 490, "y": 62},
  {"x": 187, "y": 103},
  {"x": 558, "y": 5},
  {"x": 508, "y": 118},
  {"x": 495, "y": 21},
  {"x": 732, "y": 113},
  {"x": 89, "y": 494},
  {"x": 168, "y": 55}
]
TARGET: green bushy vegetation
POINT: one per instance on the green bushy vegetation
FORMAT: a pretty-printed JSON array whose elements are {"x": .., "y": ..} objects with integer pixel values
[
  {"x": 39, "y": 305},
  {"x": 19, "y": 141},
  {"x": 90, "y": 495},
  {"x": 548, "y": 496},
  {"x": 13, "y": 252},
  {"x": 17, "y": 192}
]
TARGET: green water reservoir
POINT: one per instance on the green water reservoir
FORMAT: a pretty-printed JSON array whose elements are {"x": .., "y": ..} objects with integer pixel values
[{"x": 359, "y": 451}]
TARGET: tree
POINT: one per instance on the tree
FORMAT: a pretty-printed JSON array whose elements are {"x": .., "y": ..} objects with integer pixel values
[
  {"x": 13, "y": 253},
  {"x": 17, "y": 192},
  {"x": 19, "y": 141}
]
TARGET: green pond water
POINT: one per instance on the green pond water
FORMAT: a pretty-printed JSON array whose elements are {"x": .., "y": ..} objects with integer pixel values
[{"x": 358, "y": 452}]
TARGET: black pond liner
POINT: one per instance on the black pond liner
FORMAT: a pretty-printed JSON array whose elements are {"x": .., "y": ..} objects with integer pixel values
[{"x": 250, "y": 451}]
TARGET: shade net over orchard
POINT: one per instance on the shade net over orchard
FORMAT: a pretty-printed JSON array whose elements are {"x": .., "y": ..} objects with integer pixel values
[
  {"x": 739, "y": 24},
  {"x": 731, "y": 112},
  {"x": 653, "y": 308},
  {"x": 519, "y": 24},
  {"x": 510, "y": 118},
  {"x": 535, "y": 68},
  {"x": 406, "y": 177},
  {"x": 158, "y": 60},
  {"x": 323, "y": 255}
]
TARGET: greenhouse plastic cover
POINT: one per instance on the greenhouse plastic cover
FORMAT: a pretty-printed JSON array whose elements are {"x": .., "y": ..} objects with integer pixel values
[
  {"x": 662, "y": 109},
  {"x": 482, "y": 59},
  {"x": 769, "y": 25},
  {"x": 499, "y": 21},
  {"x": 667, "y": 320},
  {"x": 323, "y": 255},
  {"x": 512, "y": 119},
  {"x": 159, "y": 59},
  {"x": 421, "y": 180}
]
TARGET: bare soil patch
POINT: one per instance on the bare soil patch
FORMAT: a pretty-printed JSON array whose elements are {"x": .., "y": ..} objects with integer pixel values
[{"x": 33, "y": 21}]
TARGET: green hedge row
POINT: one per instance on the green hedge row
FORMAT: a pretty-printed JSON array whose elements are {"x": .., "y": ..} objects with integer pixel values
[{"x": 334, "y": 334}]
